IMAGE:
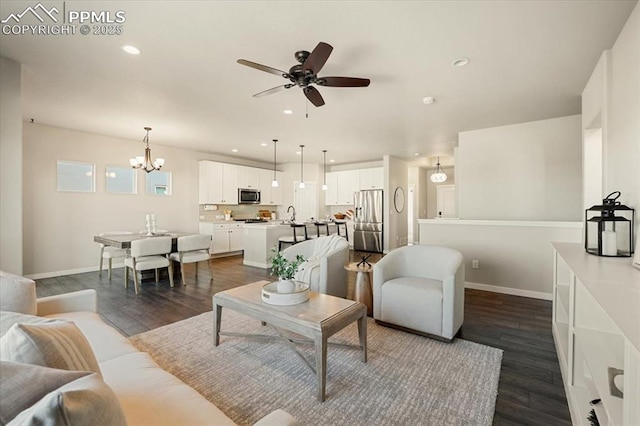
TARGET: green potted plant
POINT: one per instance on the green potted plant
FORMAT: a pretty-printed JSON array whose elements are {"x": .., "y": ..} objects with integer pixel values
[{"x": 285, "y": 270}]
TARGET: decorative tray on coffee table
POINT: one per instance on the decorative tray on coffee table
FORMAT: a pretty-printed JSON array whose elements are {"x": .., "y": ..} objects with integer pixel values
[{"x": 272, "y": 296}]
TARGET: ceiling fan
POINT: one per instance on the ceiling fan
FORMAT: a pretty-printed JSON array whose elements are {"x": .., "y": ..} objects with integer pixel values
[{"x": 305, "y": 74}]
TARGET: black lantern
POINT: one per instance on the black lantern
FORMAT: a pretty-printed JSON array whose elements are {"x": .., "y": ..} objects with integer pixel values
[{"x": 609, "y": 228}]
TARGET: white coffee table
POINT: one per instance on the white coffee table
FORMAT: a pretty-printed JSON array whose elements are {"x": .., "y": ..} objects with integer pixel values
[{"x": 317, "y": 319}]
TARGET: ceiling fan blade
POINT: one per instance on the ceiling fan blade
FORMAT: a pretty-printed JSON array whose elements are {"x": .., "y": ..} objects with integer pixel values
[
  {"x": 273, "y": 90},
  {"x": 317, "y": 58},
  {"x": 263, "y": 68},
  {"x": 313, "y": 95},
  {"x": 343, "y": 82}
]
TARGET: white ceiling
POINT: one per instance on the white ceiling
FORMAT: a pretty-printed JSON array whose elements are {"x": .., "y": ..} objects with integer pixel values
[{"x": 529, "y": 61}]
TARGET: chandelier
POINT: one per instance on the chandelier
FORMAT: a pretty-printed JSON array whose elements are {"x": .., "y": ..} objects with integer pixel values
[
  {"x": 145, "y": 163},
  {"x": 438, "y": 175}
]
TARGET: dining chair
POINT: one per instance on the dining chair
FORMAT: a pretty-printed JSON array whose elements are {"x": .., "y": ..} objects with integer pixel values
[
  {"x": 148, "y": 253},
  {"x": 110, "y": 253},
  {"x": 192, "y": 249}
]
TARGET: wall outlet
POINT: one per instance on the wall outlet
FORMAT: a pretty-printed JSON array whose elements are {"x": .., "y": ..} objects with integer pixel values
[{"x": 475, "y": 264}]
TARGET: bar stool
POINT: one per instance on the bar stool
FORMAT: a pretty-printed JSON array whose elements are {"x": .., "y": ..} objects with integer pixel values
[
  {"x": 294, "y": 239},
  {"x": 338, "y": 225},
  {"x": 320, "y": 225}
]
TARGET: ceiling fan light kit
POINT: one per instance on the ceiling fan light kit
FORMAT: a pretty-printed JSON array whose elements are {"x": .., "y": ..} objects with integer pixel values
[{"x": 305, "y": 74}]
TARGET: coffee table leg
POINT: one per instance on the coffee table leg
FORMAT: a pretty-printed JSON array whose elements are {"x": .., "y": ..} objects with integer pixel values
[
  {"x": 362, "y": 332},
  {"x": 321, "y": 365},
  {"x": 217, "y": 319}
]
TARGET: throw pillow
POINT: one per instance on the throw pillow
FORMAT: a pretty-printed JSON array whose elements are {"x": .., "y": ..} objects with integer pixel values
[
  {"x": 7, "y": 319},
  {"x": 17, "y": 294},
  {"x": 23, "y": 385},
  {"x": 58, "y": 344},
  {"x": 85, "y": 401}
]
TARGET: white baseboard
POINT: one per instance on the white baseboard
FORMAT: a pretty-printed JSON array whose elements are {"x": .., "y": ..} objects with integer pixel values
[
  {"x": 509, "y": 290},
  {"x": 256, "y": 264},
  {"x": 65, "y": 272}
]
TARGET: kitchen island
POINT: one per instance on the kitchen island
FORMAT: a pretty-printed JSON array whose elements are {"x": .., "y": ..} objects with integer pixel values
[{"x": 259, "y": 239}]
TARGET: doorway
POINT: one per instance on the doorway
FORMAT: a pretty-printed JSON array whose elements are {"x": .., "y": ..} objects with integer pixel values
[
  {"x": 305, "y": 201},
  {"x": 446, "y": 202}
]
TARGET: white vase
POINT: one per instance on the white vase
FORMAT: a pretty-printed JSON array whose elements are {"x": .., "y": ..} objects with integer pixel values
[{"x": 286, "y": 286}]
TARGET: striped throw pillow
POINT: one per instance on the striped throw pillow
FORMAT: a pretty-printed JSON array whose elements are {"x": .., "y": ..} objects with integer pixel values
[{"x": 58, "y": 344}]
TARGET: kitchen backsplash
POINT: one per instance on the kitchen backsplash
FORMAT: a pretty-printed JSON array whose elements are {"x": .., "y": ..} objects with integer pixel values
[{"x": 241, "y": 211}]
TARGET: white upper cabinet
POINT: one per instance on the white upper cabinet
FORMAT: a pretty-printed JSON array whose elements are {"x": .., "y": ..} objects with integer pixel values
[
  {"x": 218, "y": 183},
  {"x": 331, "y": 195},
  {"x": 341, "y": 185},
  {"x": 348, "y": 183},
  {"x": 269, "y": 196},
  {"x": 372, "y": 178},
  {"x": 248, "y": 177}
]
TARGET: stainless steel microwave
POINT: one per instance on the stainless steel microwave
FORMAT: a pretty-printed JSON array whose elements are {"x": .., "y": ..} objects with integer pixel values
[{"x": 248, "y": 196}]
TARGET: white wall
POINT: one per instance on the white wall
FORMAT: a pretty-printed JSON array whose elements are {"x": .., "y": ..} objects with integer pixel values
[
  {"x": 59, "y": 227},
  {"x": 514, "y": 257},
  {"x": 611, "y": 111},
  {"x": 621, "y": 166},
  {"x": 396, "y": 174},
  {"x": 527, "y": 171},
  {"x": 11, "y": 165}
]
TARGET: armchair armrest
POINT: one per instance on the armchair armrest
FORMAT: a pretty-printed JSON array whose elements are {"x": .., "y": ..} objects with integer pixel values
[
  {"x": 277, "y": 418},
  {"x": 83, "y": 300},
  {"x": 333, "y": 276}
]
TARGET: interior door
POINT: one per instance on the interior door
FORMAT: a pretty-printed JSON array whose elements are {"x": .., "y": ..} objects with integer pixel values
[
  {"x": 447, "y": 202},
  {"x": 305, "y": 201}
]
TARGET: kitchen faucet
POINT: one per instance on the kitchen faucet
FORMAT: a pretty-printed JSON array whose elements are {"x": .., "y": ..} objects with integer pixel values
[{"x": 293, "y": 215}]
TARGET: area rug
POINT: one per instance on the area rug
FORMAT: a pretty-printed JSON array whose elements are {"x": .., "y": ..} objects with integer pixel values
[{"x": 408, "y": 379}]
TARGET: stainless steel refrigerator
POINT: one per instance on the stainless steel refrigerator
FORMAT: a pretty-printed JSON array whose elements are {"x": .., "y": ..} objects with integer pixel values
[{"x": 367, "y": 221}]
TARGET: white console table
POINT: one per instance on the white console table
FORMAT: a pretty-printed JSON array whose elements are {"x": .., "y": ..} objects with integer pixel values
[{"x": 596, "y": 328}]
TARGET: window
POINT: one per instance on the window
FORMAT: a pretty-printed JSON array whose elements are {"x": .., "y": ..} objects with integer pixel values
[
  {"x": 76, "y": 177},
  {"x": 159, "y": 183},
  {"x": 121, "y": 180}
]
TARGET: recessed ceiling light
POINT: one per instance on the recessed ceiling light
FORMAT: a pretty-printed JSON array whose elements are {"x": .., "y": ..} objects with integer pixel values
[
  {"x": 298, "y": 152},
  {"x": 416, "y": 154},
  {"x": 263, "y": 144},
  {"x": 460, "y": 62},
  {"x": 234, "y": 150},
  {"x": 428, "y": 100},
  {"x": 131, "y": 50},
  {"x": 332, "y": 161},
  {"x": 288, "y": 111}
]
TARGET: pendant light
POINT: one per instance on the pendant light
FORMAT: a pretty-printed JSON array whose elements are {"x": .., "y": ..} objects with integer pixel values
[
  {"x": 324, "y": 169},
  {"x": 438, "y": 175},
  {"x": 274, "y": 182},
  {"x": 301, "y": 186},
  {"x": 145, "y": 163}
]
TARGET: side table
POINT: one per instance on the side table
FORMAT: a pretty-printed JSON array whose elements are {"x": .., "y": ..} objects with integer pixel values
[{"x": 364, "y": 278}]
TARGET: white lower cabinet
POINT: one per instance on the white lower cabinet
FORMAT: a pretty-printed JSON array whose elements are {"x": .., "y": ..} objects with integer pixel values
[
  {"x": 596, "y": 329},
  {"x": 225, "y": 237}
]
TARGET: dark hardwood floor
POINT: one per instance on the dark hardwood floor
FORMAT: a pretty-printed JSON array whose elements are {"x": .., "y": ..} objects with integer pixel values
[{"x": 530, "y": 390}]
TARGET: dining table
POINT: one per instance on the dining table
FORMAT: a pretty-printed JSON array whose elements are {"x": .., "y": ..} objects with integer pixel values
[{"x": 123, "y": 241}]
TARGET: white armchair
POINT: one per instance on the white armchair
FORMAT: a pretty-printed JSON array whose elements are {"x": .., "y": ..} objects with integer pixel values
[
  {"x": 420, "y": 288},
  {"x": 324, "y": 267}
]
